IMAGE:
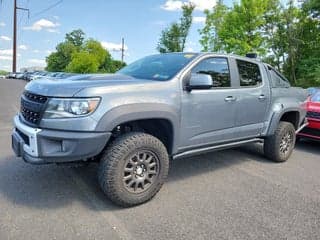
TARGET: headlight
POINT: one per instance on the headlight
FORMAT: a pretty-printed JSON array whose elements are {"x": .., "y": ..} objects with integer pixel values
[{"x": 70, "y": 108}]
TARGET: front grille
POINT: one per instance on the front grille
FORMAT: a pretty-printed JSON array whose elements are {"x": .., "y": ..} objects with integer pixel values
[
  {"x": 313, "y": 115},
  {"x": 32, "y": 106},
  {"x": 35, "y": 97}
]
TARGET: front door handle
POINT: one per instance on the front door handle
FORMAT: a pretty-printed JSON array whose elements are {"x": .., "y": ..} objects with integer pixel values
[
  {"x": 230, "y": 99},
  {"x": 262, "y": 97}
]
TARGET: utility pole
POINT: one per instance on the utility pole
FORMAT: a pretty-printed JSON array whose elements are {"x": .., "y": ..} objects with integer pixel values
[
  {"x": 14, "y": 56},
  {"x": 122, "y": 50}
]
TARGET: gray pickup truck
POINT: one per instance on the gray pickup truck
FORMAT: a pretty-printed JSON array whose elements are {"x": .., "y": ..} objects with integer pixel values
[{"x": 161, "y": 107}]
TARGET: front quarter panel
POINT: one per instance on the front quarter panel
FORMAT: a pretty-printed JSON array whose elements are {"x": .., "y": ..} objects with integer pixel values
[{"x": 120, "y": 104}]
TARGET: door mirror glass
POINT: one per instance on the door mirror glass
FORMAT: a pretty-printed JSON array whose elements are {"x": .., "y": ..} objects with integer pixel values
[{"x": 200, "y": 81}]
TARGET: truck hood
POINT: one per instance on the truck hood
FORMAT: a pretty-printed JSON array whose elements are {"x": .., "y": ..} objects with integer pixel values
[{"x": 68, "y": 87}]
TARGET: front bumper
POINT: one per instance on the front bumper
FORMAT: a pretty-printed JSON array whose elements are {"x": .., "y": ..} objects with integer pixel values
[{"x": 40, "y": 146}]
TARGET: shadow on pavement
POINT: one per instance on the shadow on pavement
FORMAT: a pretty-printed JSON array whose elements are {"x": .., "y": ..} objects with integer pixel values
[
  {"x": 51, "y": 186},
  {"x": 309, "y": 146}
]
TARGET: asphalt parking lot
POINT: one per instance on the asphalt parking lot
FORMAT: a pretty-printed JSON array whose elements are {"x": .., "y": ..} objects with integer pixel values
[{"x": 231, "y": 194}]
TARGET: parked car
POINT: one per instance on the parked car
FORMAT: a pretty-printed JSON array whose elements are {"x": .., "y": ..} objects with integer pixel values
[
  {"x": 19, "y": 75},
  {"x": 27, "y": 75},
  {"x": 162, "y": 107},
  {"x": 64, "y": 75},
  {"x": 11, "y": 75},
  {"x": 312, "y": 90},
  {"x": 38, "y": 75},
  {"x": 312, "y": 106}
]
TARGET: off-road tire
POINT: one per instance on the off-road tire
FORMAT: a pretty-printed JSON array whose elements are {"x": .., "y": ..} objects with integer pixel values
[
  {"x": 272, "y": 144},
  {"x": 113, "y": 162}
]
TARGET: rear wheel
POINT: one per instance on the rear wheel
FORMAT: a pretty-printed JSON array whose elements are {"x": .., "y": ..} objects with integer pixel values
[
  {"x": 133, "y": 169},
  {"x": 279, "y": 146}
]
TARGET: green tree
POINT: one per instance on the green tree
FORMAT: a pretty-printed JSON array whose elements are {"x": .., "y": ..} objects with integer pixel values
[
  {"x": 307, "y": 67},
  {"x": 173, "y": 38},
  {"x": 293, "y": 39},
  {"x": 58, "y": 60},
  {"x": 110, "y": 65},
  {"x": 83, "y": 62},
  {"x": 76, "y": 37},
  {"x": 312, "y": 7},
  {"x": 240, "y": 30},
  {"x": 95, "y": 48},
  {"x": 210, "y": 39},
  {"x": 2, "y": 72},
  {"x": 274, "y": 32},
  {"x": 76, "y": 54},
  {"x": 90, "y": 58}
]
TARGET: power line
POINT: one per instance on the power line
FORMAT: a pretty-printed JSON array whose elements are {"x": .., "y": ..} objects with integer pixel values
[{"x": 46, "y": 9}]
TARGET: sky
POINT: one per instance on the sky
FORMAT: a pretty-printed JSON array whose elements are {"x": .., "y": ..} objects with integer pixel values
[{"x": 139, "y": 22}]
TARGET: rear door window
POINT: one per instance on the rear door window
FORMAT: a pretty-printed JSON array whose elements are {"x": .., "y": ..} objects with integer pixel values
[{"x": 249, "y": 74}]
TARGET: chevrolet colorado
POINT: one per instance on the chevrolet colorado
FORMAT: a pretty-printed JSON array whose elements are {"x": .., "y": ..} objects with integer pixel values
[{"x": 159, "y": 108}]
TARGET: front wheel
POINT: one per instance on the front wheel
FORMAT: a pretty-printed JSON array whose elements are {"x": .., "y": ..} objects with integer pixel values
[
  {"x": 279, "y": 146},
  {"x": 133, "y": 169}
]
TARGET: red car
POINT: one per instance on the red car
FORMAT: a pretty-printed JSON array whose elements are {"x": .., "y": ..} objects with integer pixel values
[{"x": 313, "y": 115}]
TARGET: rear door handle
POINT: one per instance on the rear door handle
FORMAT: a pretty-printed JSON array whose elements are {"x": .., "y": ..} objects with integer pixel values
[
  {"x": 230, "y": 99},
  {"x": 262, "y": 97}
]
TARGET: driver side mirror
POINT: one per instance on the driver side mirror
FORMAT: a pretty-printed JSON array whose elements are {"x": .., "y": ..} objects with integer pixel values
[{"x": 199, "y": 81}]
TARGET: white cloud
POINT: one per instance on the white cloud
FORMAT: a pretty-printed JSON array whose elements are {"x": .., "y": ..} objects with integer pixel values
[
  {"x": 36, "y": 51},
  {"x": 37, "y": 61},
  {"x": 172, "y": 5},
  {"x": 113, "y": 46},
  {"x": 5, "y": 38},
  {"x": 48, "y": 51},
  {"x": 199, "y": 19},
  {"x": 201, "y": 5},
  {"x": 6, "y": 52},
  {"x": 23, "y": 47},
  {"x": 2, "y": 24},
  {"x": 56, "y": 17},
  {"x": 7, "y": 58},
  {"x": 43, "y": 24}
]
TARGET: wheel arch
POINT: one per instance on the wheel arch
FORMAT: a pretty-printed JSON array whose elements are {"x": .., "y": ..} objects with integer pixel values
[
  {"x": 289, "y": 115},
  {"x": 159, "y": 120}
]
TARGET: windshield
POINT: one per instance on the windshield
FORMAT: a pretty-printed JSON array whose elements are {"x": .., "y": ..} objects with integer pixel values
[
  {"x": 160, "y": 67},
  {"x": 316, "y": 97}
]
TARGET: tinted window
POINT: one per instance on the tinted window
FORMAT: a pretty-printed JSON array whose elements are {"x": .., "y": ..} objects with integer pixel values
[
  {"x": 160, "y": 67},
  {"x": 277, "y": 80},
  {"x": 218, "y": 68},
  {"x": 249, "y": 74}
]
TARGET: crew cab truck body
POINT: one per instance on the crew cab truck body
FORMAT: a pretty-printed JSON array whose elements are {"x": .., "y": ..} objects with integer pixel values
[{"x": 159, "y": 108}]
